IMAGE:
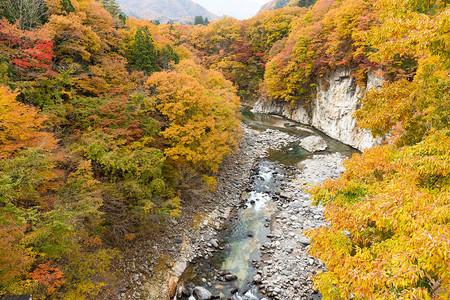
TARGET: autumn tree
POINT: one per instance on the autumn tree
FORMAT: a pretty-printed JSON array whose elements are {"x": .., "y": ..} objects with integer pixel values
[
  {"x": 15, "y": 258},
  {"x": 325, "y": 38},
  {"x": 20, "y": 126},
  {"x": 200, "y": 107},
  {"x": 389, "y": 212}
]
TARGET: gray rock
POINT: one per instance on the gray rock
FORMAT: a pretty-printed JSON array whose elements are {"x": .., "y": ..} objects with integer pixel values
[
  {"x": 304, "y": 240},
  {"x": 200, "y": 293},
  {"x": 214, "y": 243},
  {"x": 257, "y": 278},
  {"x": 250, "y": 296},
  {"x": 183, "y": 291},
  {"x": 313, "y": 143}
]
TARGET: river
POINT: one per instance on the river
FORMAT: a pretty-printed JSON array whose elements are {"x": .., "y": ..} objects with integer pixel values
[{"x": 261, "y": 252}]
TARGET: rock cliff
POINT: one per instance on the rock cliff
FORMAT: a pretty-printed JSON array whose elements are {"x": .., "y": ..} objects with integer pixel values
[{"x": 331, "y": 109}]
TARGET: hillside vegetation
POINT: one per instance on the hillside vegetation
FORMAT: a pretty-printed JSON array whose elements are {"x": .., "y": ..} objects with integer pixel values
[
  {"x": 106, "y": 122},
  {"x": 101, "y": 120}
]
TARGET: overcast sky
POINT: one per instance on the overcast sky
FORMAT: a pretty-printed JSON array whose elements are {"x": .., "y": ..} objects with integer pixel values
[{"x": 240, "y": 9}]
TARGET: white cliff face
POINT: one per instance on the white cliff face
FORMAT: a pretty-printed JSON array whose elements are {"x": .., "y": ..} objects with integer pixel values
[{"x": 331, "y": 110}]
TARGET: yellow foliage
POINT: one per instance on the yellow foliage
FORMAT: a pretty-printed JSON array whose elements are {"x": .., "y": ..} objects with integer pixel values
[{"x": 201, "y": 108}]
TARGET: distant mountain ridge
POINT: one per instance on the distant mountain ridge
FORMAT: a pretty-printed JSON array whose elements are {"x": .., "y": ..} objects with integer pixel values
[
  {"x": 276, "y": 4},
  {"x": 183, "y": 11}
]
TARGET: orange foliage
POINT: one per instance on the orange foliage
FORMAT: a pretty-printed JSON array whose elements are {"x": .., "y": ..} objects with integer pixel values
[
  {"x": 389, "y": 233},
  {"x": 20, "y": 126},
  {"x": 390, "y": 210},
  {"x": 50, "y": 277}
]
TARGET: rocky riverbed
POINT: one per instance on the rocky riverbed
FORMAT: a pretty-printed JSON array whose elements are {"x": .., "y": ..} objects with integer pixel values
[
  {"x": 286, "y": 267},
  {"x": 283, "y": 268},
  {"x": 151, "y": 270},
  {"x": 254, "y": 147}
]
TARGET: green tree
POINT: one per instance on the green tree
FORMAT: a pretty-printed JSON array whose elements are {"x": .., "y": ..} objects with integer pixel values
[
  {"x": 166, "y": 56},
  {"x": 302, "y": 3},
  {"x": 144, "y": 55},
  {"x": 111, "y": 6},
  {"x": 199, "y": 20},
  {"x": 67, "y": 6}
]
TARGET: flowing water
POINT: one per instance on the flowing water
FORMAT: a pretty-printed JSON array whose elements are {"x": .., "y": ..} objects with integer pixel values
[
  {"x": 247, "y": 232},
  {"x": 243, "y": 238},
  {"x": 292, "y": 154}
]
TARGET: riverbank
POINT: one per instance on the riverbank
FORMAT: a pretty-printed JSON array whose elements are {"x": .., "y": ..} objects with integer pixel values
[
  {"x": 286, "y": 267},
  {"x": 151, "y": 270}
]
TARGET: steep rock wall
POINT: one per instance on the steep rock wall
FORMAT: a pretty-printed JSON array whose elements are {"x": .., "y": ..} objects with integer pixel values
[{"x": 331, "y": 110}]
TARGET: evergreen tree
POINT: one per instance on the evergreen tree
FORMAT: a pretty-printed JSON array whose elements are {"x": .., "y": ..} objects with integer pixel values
[
  {"x": 67, "y": 6},
  {"x": 144, "y": 55},
  {"x": 111, "y": 6},
  {"x": 304, "y": 3},
  {"x": 199, "y": 20},
  {"x": 167, "y": 55}
]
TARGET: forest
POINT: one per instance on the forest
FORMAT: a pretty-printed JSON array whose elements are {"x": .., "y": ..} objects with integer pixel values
[{"x": 107, "y": 121}]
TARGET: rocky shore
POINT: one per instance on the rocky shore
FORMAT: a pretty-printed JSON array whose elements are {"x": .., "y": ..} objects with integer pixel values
[{"x": 286, "y": 267}]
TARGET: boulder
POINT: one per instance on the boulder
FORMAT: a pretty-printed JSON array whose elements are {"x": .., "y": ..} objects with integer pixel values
[
  {"x": 313, "y": 143},
  {"x": 304, "y": 240},
  {"x": 200, "y": 293},
  {"x": 250, "y": 296},
  {"x": 182, "y": 291},
  {"x": 257, "y": 278},
  {"x": 230, "y": 277}
]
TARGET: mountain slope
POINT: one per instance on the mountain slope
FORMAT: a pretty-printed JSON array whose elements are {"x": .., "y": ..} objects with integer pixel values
[
  {"x": 275, "y": 4},
  {"x": 165, "y": 10}
]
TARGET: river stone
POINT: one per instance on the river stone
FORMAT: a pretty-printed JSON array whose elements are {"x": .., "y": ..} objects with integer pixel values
[
  {"x": 200, "y": 293},
  {"x": 313, "y": 144},
  {"x": 214, "y": 243},
  {"x": 304, "y": 240},
  {"x": 230, "y": 277},
  {"x": 257, "y": 278},
  {"x": 183, "y": 291}
]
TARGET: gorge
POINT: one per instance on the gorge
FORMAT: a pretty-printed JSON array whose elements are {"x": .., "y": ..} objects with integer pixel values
[
  {"x": 299, "y": 154},
  {"x": 251, "y": 246}
]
